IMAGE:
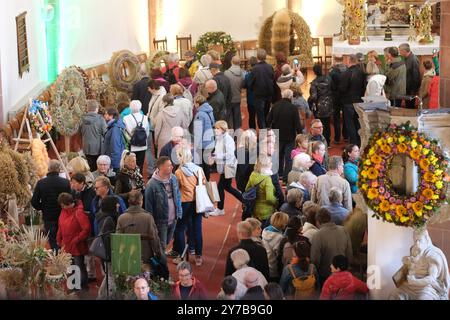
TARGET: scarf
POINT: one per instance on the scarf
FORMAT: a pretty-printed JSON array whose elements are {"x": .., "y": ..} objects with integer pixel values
[
  {"x": 189, "y": 169},
  {"x": 430, "y": 73},
  {"x": 136, "y": 176},
  {"x": 318, "y": 158}
]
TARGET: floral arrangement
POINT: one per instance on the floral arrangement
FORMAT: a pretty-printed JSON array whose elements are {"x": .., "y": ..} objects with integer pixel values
[
  {"x": 69, "y": 101},
  {"x": 355, "y": 15},
  {"x": 120, "y": 62},
  {"x": 377, "y": 189},
  {"x": 425, "y": 23},
  {"x": 103, "y": 92},
  {"x": 39, "y": 108},
  {"x": 212, "y": 39}
]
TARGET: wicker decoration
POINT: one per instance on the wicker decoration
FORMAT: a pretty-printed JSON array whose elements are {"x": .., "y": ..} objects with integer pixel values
[
  {"x": 103, "y": 92},
  {"x": 287, "y": 32},
  {"x": 124, "y": 70},
  {"x": 155, "y": 60},
  {"x": 69, "y": 101}
]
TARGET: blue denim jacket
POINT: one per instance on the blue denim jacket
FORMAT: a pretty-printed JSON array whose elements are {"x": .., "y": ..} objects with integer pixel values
[{"x": 156, "y": 200}]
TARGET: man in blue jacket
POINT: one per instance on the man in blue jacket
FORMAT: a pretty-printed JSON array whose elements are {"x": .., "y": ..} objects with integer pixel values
[
  {"x": 163, "y": 200},
  {"x": 114, "y": 138}
]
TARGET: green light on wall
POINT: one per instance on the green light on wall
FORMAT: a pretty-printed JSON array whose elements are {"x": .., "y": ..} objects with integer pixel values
[{"x": 52, "y": 30}]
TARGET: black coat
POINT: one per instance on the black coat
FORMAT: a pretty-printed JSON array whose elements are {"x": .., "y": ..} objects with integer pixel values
[
  {"x": 86, "y": 197},
  {"x": 255, "y": 293},
  {"x": 258, "y": 257},
  {"x": 141, "y": 93},
  {"x": 217, "y": 101},
  {"x": 284, "y": 117},
  {"x": 413, "y": 79},
  {"x": 107, "y": 224},
  {"x": 45, "y": 196},
  {"x": 353, "y": 85},
  {"x": 335, "y": 74},
  {"x": 245, "y": 167},
  {"x": 224, "y": 85},
  {"x": 278, "y": 191},
  {"x": 321, "y": 97},
  {"x": 262, "y": 80}
]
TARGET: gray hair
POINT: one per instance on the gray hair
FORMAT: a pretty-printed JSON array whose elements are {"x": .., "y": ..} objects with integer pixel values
[
  {"x": 405, "y": 47},
  {"x": 287, "y": 94},
  {"x": 335, "y": 162},
  {"x": 104, "y": 159},
  {"x": 206, "y": 60},
  {"x": 286, "y": 69},
  {"x": 335, "y": 195},
  {"x": 308, "y": 177},
  {"x": 184, "y": 265},
  {"x": 173, "y": 57},
  {"x": 168, "y": 99},
  {"x": 135, "y": 106},
  {"x": 236, "y": 60},
  {"x": 240, "y": 258},
  {"x": 353, "y": 59},
  {"x": 92, "y": 106},
  {"x": 54, "y": 166}
]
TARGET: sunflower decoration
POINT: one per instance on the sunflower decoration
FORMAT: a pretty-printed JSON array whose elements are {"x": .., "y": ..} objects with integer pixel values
[
  {"x": 377, "y": 188},
  {"x": 355, "y": 15}
]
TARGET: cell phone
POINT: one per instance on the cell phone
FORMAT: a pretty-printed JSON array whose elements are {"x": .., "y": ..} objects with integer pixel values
[
  {"x": 434, "y": 51},
  {"x": 296, "y": 62}
]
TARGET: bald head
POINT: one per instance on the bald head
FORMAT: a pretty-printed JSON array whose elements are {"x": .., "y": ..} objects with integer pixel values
[
  {"x": 141, "y": 289},
  {"x": 236, "y": 60},
  {"x": 211, "y": 86}
]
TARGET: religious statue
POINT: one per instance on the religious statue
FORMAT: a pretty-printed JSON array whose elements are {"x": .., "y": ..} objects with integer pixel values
[{"x": 424, "y": 274}]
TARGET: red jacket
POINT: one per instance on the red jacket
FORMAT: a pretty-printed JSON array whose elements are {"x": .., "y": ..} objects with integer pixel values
[
  {"x": 198, "y": 291},
  {"x": 73, "y": 230},
  {"x": 342, "y": 286},
  {"x": 433, "y": 92},
  {"x": 176, "y": 70}
]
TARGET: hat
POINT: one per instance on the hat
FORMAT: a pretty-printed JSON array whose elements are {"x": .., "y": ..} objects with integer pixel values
[{"x": 215, "y": 65}]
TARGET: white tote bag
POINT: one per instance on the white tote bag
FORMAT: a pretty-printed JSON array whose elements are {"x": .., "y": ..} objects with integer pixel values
[{"x": 202, "y": 200}]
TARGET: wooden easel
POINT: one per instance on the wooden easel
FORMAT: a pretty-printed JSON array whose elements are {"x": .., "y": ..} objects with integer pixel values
[{"x": 26, "y": 122}]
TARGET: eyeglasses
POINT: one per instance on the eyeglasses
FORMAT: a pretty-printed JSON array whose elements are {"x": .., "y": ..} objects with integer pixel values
[
  {"x": 96, "y": 188},
  {"x": 321, "y": 127},
  {"x": 184, "y": 275},
  {"x": 141, "y": 288}
]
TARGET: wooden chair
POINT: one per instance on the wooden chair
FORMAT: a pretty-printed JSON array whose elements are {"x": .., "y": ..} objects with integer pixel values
[
  {"x": 249, "y": 49},
  {"x": 317, "y": 58},
  {"x": 183, "y": 44},
  {"x": 328, "y": 48},
  {"x": 160, "y": 45}
]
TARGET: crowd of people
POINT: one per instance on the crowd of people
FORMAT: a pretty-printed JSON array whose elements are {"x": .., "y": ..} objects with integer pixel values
[{"x": 301, "y": 232}]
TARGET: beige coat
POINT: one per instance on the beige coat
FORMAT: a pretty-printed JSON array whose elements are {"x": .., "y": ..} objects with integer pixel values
[
  {"x": 169, "y": 117},
  {"x": 321, "y": 190},
  {"x": 425, "y": 86}
]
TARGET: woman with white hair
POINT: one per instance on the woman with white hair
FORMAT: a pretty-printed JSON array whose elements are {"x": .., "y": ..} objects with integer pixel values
[
  {"x": 104, "y": 169},
  {"x": 289, "y": 76},
  {"x": 187, "y": 175},
  {"x": 203, "y": 73},
  {"x": 247, "y": 153},
  {"x": 305, "y": 182},
  {"x": 172, "y": 67},
  {"x": 302, "y": 162},
  {"x": 136, "y": 123},
  {"x": 241, "y": 259}
]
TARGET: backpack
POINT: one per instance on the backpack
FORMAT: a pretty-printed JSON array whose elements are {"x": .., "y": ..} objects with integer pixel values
[
  {"x": 305, "y": 286},
  {"x": 187, "y": 92},
  {"x": 249, "y": 201},
  {"x": 139, "y": 137},
  {"x": 169, "y": 76}
]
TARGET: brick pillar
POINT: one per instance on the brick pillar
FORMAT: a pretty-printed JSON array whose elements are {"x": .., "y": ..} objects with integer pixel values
[{"x": 444, "y": 92}]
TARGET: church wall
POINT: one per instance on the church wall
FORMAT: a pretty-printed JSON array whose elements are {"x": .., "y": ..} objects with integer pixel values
[
  {"x": 16, "y": 90},
  {"x": 90, "y": 32}
]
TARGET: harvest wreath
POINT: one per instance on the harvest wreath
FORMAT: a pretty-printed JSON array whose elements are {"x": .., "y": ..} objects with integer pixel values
[{"x": 377, "y": 188}]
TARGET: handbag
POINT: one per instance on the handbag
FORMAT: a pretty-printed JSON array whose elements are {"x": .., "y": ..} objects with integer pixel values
[
  {"x": 213, "y": 191},
  {"x": 249, "y": 200},
  {"x": 202, "y": 201},
  {"x": 98, "y": 249}
]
